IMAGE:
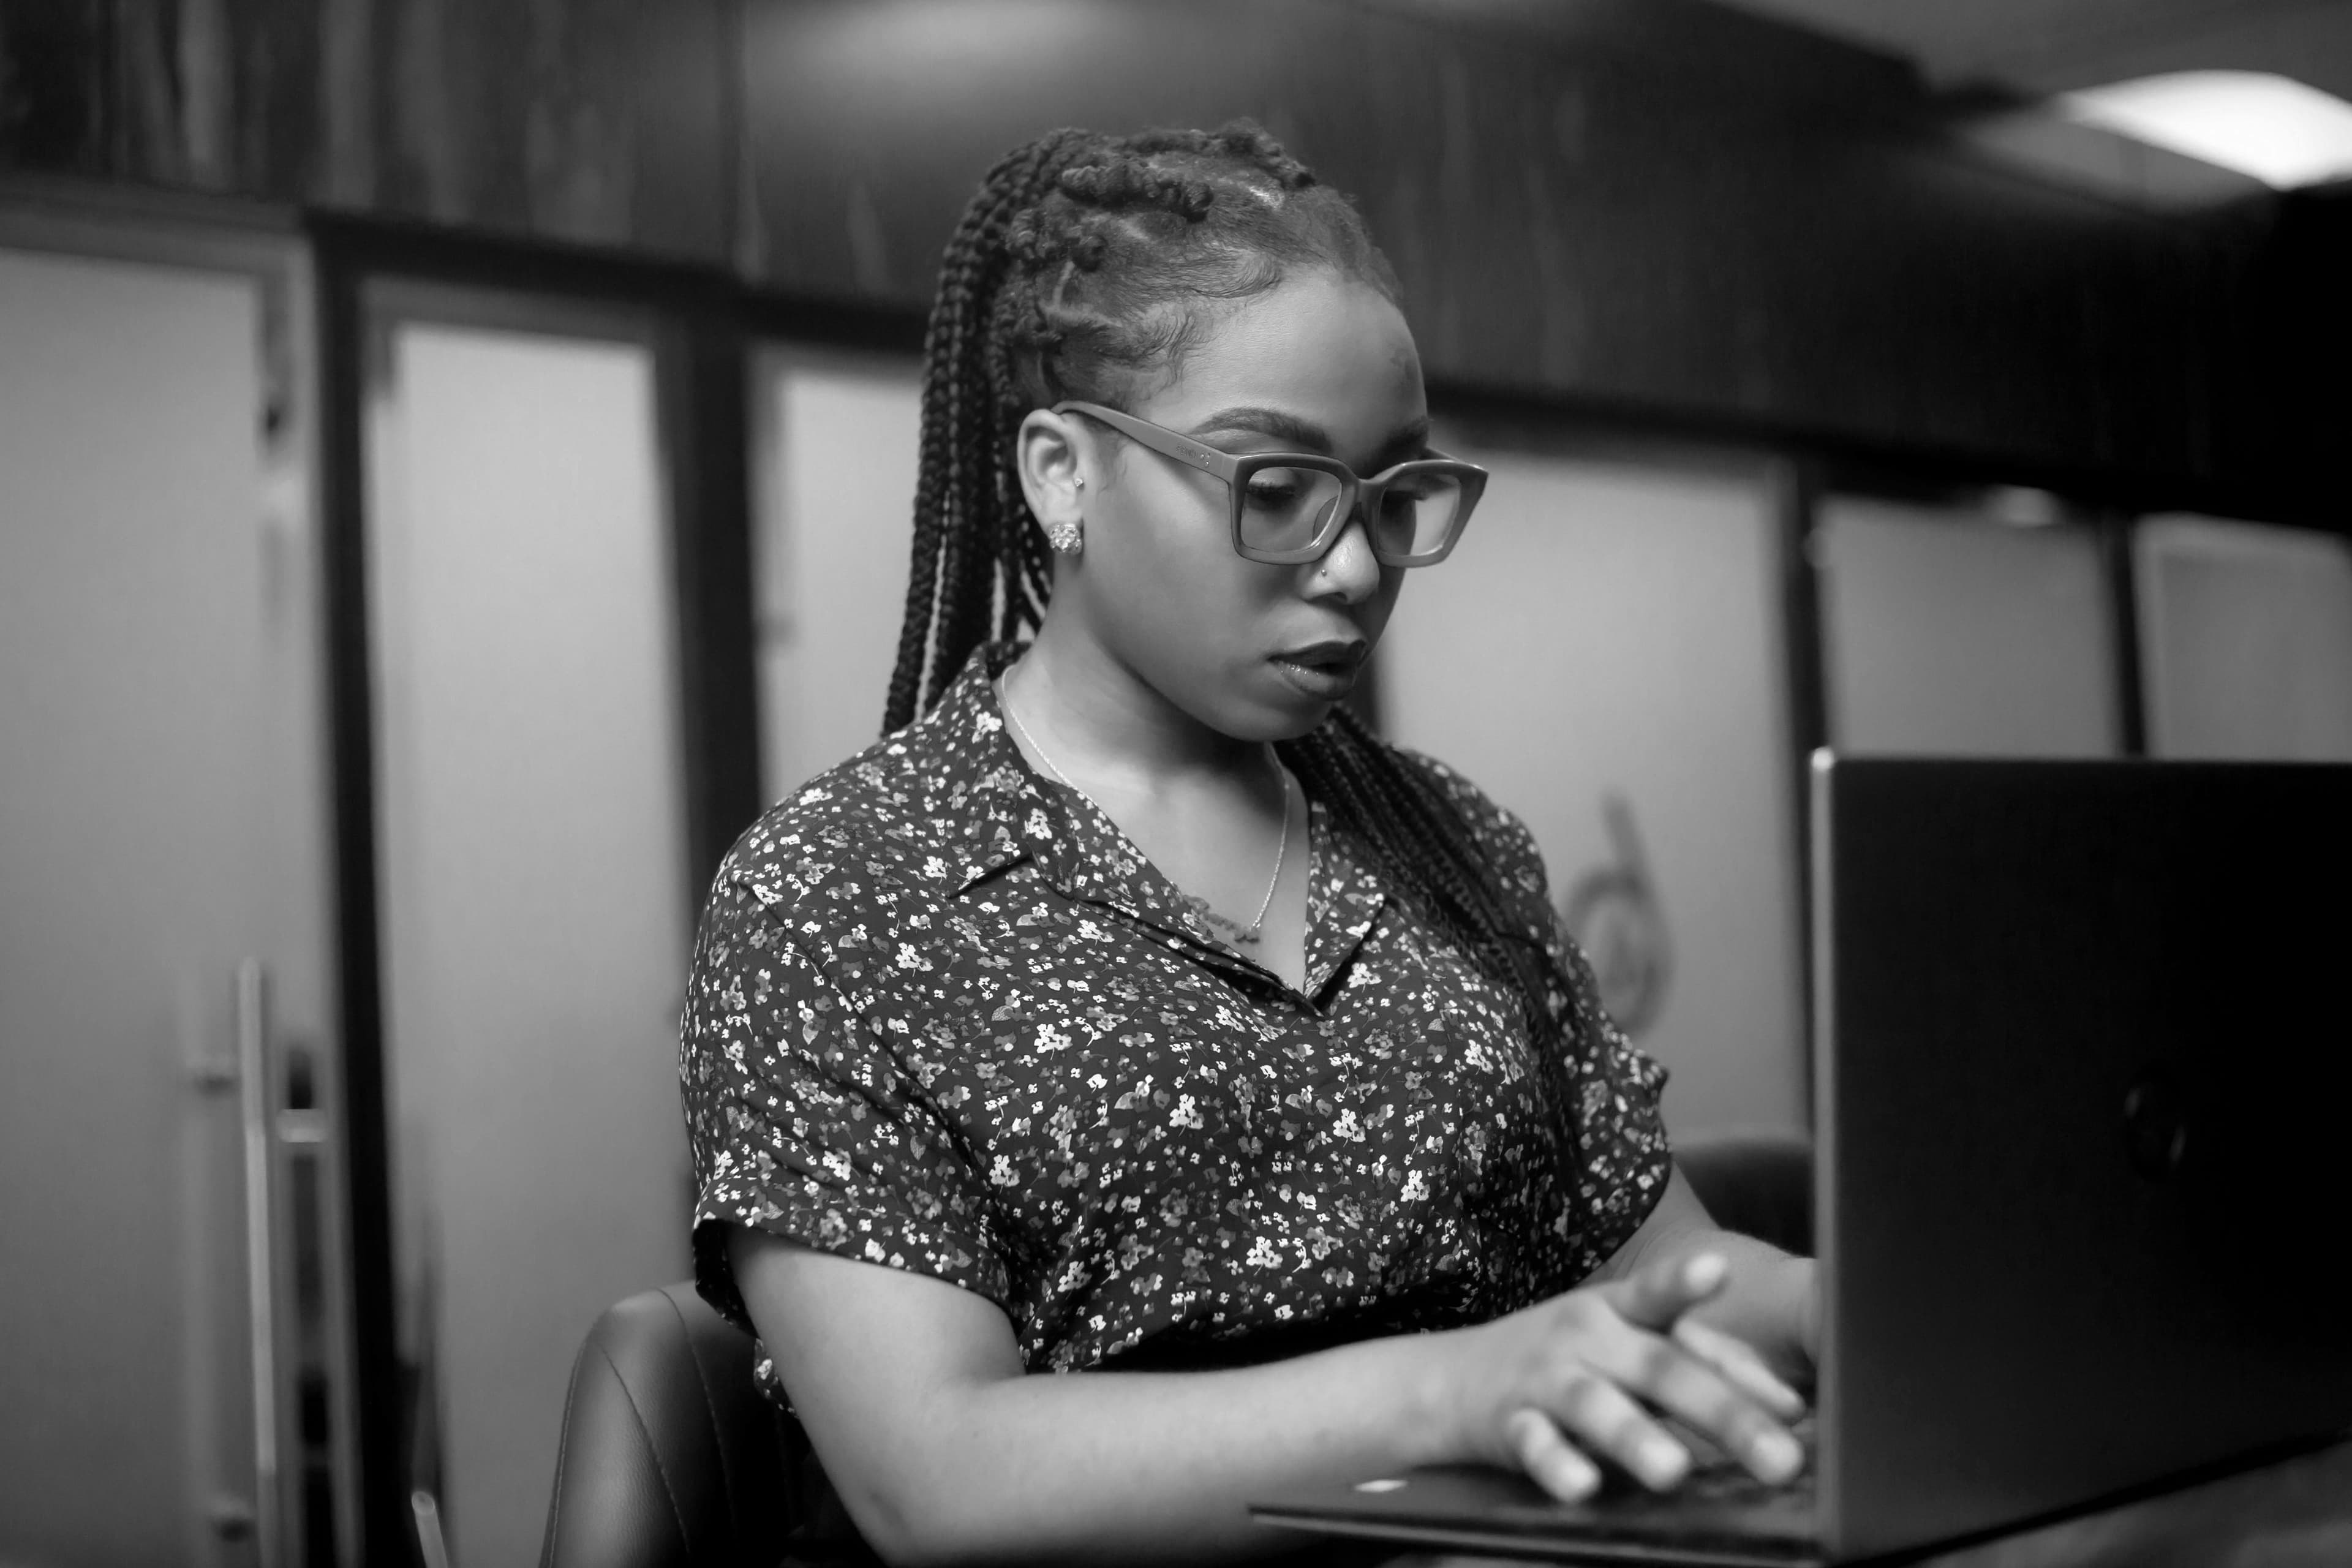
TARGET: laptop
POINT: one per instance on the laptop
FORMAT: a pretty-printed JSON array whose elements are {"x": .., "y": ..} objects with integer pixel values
[{"x": 2081, "y": 1087}]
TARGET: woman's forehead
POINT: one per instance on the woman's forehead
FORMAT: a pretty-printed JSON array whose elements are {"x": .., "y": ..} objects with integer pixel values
[{"x": 1315, "y": 353}]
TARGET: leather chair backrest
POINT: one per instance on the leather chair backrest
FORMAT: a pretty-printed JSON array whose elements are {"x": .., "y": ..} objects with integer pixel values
[
  {"x": 670, "y": 1456},
  {"x": 1759, "y": 1184}
]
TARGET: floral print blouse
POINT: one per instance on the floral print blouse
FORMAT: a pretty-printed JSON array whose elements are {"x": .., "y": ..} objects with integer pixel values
[{"x": 944, "y": 1016}]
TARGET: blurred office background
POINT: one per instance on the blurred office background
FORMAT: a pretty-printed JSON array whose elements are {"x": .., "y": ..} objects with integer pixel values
[{"x": 455, "y": 462}]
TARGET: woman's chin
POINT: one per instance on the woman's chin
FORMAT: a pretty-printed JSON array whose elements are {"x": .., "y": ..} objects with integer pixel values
[{"x": 1278, "y": 708}]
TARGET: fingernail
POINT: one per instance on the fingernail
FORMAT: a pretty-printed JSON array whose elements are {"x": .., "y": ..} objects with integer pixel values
[{"x": 1778, "y": 1452}]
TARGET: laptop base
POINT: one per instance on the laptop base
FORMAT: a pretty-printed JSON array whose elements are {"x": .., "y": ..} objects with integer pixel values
[{"x": 1494, "y": 1512}]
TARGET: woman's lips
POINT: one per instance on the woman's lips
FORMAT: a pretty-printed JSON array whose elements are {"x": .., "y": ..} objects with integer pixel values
[{"x": 1325, "y": 671}]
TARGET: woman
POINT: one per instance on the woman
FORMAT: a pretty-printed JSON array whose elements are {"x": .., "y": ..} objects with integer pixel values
[{"x": 1137, "y": 1013}]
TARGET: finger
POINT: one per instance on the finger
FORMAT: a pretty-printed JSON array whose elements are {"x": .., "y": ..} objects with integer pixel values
[
  {"x": 1604, "y": 1420},
  {"x": 1654, "y": 1297},
  {"x": 1694, "y": 1392},
  {"x": 1740, "y": 1365},
  {"x": 1550, "y": 1461}
]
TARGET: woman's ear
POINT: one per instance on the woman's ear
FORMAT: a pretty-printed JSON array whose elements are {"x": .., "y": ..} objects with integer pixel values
[{"x": 1052, "y": 465}]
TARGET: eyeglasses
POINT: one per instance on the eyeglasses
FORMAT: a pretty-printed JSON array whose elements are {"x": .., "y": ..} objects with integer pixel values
[{"x": 1291, "y": 507}]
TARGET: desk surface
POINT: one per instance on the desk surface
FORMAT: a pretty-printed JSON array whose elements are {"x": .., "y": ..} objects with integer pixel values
[{"x": 2294, "y": 1513}]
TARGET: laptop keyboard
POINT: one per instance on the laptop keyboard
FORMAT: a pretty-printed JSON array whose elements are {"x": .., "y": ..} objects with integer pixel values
[{"x": 1722, "y": 1480}]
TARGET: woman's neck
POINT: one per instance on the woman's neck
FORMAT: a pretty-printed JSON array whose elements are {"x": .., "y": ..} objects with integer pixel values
[{"x": 1097, "y": 716}]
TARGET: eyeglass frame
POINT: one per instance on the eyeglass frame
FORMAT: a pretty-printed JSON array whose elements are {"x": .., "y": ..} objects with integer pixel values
[{"x": 1235, "y": 468}]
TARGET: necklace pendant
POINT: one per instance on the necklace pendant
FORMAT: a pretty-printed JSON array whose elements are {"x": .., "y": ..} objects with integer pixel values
[{"x": 1248, "y": 938}]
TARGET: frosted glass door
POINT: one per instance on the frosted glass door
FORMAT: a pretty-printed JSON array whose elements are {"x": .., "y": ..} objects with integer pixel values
[
  {"x": 835, "y": 450},
  {"x": 1946, "y": 632},
  {"x": 1601, "y": 653},
  {"x": 162, "y": 829},
  {"x": 535, "y": 897},
  {"x": 2246, "y": 639}
]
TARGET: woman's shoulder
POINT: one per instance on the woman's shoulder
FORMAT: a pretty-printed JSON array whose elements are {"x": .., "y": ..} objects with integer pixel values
[
  {"x": 915, "y": 810},
  {"x": 1507, "y": 843}
]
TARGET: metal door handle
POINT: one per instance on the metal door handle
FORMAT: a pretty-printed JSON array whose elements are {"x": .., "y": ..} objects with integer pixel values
[
  {"x": 431, "y": 1544},
  {"x": 260, "y": 1260}
]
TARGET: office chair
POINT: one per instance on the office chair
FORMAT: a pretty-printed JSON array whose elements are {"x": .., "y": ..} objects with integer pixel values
[{"x": 670, "y": 1458}]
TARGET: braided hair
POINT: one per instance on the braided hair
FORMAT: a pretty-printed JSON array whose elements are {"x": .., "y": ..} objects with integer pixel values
[{"x": 1084, "y": 264}]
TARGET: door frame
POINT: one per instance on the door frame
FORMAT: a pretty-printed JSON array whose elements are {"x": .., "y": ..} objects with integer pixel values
[
  {"x": 689, "y": 317},
  {"x": 263, "y": 244}
]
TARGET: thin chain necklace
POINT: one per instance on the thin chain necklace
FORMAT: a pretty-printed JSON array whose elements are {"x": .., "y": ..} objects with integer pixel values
[{"x": 1250, "y": 934}]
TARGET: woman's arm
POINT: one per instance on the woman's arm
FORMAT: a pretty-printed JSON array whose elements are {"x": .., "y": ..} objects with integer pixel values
[
  {"x": 1768, "y": 1300},
  {"x": 912, "y": 1391}
]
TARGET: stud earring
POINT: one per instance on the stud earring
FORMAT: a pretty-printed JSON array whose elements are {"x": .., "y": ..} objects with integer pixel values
[{"x": 1065, "y": 537}]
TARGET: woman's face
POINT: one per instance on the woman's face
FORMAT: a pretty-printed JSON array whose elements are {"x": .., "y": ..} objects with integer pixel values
[{"x": 1318, "y": 363}]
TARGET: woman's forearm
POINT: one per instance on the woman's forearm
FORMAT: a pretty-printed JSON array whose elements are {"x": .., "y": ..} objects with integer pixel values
[
  {"x": 1144, "y": 1466},
  {"x": 1161, "y": 1467},
  {"x": 944, "y": 1451}
]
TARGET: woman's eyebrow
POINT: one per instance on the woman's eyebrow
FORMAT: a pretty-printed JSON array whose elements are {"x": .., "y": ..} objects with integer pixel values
[
  {"x": 1274, "y": 422},
  {"x": 1303, "y": 435},
  {"x": 1408, "y": 442}
]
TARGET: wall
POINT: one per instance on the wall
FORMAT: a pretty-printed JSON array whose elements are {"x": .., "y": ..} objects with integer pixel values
[
  {"x": 2298, "y": 348},
  {"x": 601, "y": 121},
  {"x": 1660, "y": 207},
  {"x": 1645, "y": 212}
]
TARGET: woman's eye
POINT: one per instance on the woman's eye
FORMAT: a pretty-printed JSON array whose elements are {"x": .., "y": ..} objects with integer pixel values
[{"x": 1270, "y": 494}]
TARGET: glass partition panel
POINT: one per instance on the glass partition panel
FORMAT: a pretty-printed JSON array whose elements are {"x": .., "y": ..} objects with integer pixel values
[
  {"x": 532, "y": 875},
  {"x": 2246, "y": 639},
  {"x": 1946, "y": 631},
  {"x": 1602, "y": 654},
  {"x": 834, "y": 443}
]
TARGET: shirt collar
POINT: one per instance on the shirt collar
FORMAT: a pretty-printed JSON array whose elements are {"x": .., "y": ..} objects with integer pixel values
[
  {"x": 984, "y": 804},
  {"x": 994, "y": 810},
  {"x": 1344, "y": 898}
]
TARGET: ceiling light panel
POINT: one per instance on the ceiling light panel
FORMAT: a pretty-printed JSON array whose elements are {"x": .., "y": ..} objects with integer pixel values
[{"x": 2275, "y": 129}]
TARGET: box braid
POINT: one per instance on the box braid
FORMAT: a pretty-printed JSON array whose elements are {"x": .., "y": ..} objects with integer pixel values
[
  {"x": 1418, "y": 836},
  {"x": 1084, "y": 264}
]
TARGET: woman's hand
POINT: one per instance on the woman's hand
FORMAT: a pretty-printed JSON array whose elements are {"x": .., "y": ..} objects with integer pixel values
[{"x": 1553, "y": 1388}]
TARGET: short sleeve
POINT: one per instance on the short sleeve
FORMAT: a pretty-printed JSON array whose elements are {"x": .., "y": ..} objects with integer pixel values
[
  {"x": 1626, "y": 1155},
  {"x": 805, "y": 1119},
  {"x": 1614, "y": 1086},
  {"x": 1607, "y": 1059}
]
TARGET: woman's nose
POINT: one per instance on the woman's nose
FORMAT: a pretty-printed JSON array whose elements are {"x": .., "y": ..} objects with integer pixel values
[{"x": 1348, "y": 569}]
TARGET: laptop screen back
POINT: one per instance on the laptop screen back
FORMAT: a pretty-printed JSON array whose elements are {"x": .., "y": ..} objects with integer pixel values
[{"x": 2082, "y": 1078}]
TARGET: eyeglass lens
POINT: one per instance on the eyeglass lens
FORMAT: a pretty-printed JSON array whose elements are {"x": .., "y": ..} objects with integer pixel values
[{"x": 1286, "y": 509}]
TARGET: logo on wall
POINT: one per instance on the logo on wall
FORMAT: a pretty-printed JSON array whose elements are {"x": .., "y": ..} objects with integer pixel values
[{"x": 1612, "y": 913}]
